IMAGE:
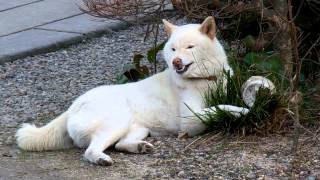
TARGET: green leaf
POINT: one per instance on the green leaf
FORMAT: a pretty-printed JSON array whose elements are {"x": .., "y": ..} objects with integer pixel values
[{"x": 152, "y": 53}]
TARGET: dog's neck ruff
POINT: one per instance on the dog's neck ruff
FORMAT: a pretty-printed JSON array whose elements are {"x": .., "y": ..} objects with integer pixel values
[{"x": 209, "y": 78}]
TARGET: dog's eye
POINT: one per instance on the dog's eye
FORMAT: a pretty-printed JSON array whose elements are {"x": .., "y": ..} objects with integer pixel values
[
  {"x": 173, "y": 49},
  {"x": 190, "y": 46}
]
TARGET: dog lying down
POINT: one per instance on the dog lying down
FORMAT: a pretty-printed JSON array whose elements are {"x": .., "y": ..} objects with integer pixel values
[{"x": 108, "y": 115}]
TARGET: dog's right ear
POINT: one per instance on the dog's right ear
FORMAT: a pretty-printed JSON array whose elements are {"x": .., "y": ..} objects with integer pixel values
[
  {"x": 208, "y": 27},
  {"x": 169, "y": 27}
]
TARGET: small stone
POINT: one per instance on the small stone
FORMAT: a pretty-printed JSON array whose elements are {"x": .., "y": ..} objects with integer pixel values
[
  {"x": 9, "y": 140},
  {"x": 303, "y": 173},
  {"x": 251, "y": 175},
  {"x": 181, "y": 174},
  {"x": 200, "y": 158},
  {"x": 311, "y": 178},
  {"x": 261, "y": 177}
]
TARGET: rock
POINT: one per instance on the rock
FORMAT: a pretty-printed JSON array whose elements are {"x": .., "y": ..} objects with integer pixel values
[
  {"x": 181, "y": 174},
  {"x": 311, "y": 178},
  {"x": 9, "y": 140},
  {"x": 251, "y": 175}
]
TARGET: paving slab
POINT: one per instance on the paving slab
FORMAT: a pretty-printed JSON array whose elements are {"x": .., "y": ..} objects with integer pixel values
[
  {"x": 9, "y": 4},
  {"x": 84, "y": 24},
  {"x": 30, "y": 27},
  {"x": 36, "y": 14},
  {"x": 34, "y": 41}
]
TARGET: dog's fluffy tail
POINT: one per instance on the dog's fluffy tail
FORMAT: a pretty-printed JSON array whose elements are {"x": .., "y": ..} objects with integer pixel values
[{"x": 49, "y": 137}]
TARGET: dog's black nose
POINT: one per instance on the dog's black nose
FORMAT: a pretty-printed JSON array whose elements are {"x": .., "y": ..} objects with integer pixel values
[{"x": 177, "y": 63}]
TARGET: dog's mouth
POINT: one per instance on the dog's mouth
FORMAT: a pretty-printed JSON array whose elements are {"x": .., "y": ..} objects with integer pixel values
[{"x": 183, "y": 68}]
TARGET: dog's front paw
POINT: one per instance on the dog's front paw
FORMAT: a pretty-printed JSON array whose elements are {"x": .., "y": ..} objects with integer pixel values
[
  {"x": 104, "y": 162},
  {"x": 98, "y": 158},
  {"x": 145, "y": 147}
]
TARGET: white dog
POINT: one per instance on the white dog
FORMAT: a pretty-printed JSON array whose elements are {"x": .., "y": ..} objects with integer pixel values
[{"x": 126, "y": 114}]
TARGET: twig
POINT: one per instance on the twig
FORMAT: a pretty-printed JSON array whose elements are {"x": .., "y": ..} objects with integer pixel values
[
  {"x": 295, "y": 99},
  {"x": 204, "y": 137},
  {"x": 193, "y": 142},
  {"x": 243, "y": 142},
  {"x": 310, "y": 49},
  {"x": 155, "y": 46}
]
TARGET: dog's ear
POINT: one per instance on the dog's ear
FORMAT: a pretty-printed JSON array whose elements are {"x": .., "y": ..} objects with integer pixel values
[
  {"x": 168, "y": 27},
  {"x": 208, "y": 27}
]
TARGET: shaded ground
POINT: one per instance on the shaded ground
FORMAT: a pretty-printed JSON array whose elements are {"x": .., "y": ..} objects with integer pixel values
[
  {"x": 268, "y": 158},
  {"x": 36, "y": 89}
]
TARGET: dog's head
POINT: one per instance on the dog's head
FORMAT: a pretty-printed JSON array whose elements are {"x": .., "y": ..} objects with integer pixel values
[{"x": 193, "y": 50}]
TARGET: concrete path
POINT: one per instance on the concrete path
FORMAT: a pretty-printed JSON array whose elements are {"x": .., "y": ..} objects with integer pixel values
[{"x": 29, "y": 27}]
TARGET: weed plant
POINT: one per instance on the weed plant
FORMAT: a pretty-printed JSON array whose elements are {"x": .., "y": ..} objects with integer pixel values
[{"x": 263, "y": 116}]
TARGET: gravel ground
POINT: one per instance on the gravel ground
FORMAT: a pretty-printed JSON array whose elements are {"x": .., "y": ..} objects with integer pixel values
[{"x": 37, "y": 89}]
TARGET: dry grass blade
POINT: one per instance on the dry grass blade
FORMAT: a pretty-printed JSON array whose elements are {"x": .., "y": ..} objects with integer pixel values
[{"x": 203, "y": 139}]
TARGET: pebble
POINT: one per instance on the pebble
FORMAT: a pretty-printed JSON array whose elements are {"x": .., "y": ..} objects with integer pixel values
[
  {"x": 251, "y": 175},
  {"x": 311, "y": 178},
  {"x": 181, "y": 174}
]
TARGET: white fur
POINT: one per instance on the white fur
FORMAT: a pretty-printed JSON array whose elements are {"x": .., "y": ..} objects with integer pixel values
[
  {"x": 126, "y": 114},
  {"x": 52, "y": 136}
]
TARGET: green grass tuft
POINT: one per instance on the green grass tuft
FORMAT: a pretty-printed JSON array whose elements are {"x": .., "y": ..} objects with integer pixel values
[{"x": 262, "y": 117}]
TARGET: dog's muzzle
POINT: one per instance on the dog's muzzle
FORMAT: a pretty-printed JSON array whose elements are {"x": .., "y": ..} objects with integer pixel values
[{"x": 179, "y": 66}]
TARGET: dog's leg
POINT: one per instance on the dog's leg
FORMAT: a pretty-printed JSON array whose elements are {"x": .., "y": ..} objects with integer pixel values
[
  {"x": 100, "y": 141},
  {"x": 133, "y": 141}
]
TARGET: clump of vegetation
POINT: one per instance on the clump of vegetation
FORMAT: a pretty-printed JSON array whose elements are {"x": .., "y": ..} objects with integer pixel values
[{"x": 262, "y": 117}]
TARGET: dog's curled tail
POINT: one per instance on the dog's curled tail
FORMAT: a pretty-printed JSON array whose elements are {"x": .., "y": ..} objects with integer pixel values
[{"x": 49, "y": 137}]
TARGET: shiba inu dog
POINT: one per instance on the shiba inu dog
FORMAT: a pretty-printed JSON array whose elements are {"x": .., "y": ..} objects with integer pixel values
[{"x": 126, "y": 114}]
